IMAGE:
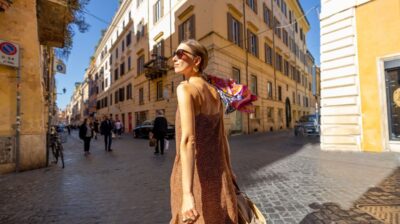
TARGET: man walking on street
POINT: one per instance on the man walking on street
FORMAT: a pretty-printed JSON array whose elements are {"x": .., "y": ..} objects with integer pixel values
[
  {"x": 96, "y": 128},
  {"x": 106, "y": 128},
  {"x": 160, "y": 131}
]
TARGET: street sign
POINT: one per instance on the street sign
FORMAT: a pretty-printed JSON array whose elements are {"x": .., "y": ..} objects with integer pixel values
[
  {"x": 9, "y": 54},
  {"x": 59, "y": 66}
]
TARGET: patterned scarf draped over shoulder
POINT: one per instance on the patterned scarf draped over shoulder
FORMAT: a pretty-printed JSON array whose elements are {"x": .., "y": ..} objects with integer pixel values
[{"x": 234, "y": 96}]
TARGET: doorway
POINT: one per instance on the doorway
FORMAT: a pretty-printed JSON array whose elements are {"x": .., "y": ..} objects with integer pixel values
[
  {"x": 392, "y": 83},
  {"x": 288, "y": 113}
]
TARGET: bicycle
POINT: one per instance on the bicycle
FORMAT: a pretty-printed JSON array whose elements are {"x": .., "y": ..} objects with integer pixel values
[{"x": 56, "y": 147}]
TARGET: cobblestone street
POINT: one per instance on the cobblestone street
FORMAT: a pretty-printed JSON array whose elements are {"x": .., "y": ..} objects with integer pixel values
[{"x": 283, "y": 174}]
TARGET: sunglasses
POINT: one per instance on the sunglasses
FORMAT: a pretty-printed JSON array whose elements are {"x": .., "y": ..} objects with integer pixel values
[{"x": 180, "y": 52}]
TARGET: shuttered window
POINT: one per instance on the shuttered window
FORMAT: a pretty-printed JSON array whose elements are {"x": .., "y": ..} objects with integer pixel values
[
  {"x": 235, "y": 31},
  {"x": 252, "y": 43},
  {"x": 187, "y": 29}
]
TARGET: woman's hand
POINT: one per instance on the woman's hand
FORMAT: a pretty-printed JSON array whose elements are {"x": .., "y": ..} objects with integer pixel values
[{"x": 189, "y": 212}]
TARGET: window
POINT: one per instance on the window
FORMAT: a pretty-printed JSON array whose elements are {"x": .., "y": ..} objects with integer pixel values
[
  {"x": 128, "y": 38},
  {"x": 159, "y": 90},
  {"x": 285, "y": 37},
  {"x": 286, "y": 68},
  {"x": 110, "y": 99},
  {"x": 278, "y": 62},
  {"x": 129, "y": 63},
  {"x": 284, "y": 8},
  {"x": 116, "y": 97},
  {"x": 277, "y": 29},
  {"x": 252, "y": 4},
  {"x": 294, "y": 98},
  {"x": 122, "y": 69},
  {"x": 235, "y": 31},
  {"x": 301, "y": 34},
  {"x": 187, "y": 29},
  {"x": 140, "y": 65},
  {"x": 121, "y": 94},
  {"x": 279, "y": 93},
  {"x": 158, "y": 48},
  {"x": 129, "y": 91},
  {"x": 270, "y": 114},
  {"x": 253, "y": 43},
  {"x": 268, "y": 54},
  {"x": 253, "y": 84},
  {"x": 298, "y": 99},
  {"x": 269, "y": 90},
  {"x": 158, "y": 10},
  {"x": 141, "y": 96},
  {"x": 116, "y": 53},
  {"x": 236, "y": 74},
  {"x": 267, "y": 16},
  {"x": 116, "y": 75},
  {"x": 140, "y": 31},
  {"x": 106, "y": 84},
  {"x": 111, "y": 60},
  {"x": 123, "y": 46}
]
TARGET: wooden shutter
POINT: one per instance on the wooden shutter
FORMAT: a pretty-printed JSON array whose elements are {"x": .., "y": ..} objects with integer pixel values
[
  {"x": 256, "y": 44},
  {"x": 180, "y": 32},
  {"x": 192, "y": 27},
  {"x": 248, "y": 41},
  {"x": 229, "y": 19},
  {"x": 255, "y": 7},
  {"x": 241, "y": 35},
  {"x": 162, "y": 48}
]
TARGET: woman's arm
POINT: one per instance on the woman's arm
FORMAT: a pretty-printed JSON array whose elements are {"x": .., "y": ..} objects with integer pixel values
[{"x": 187, "y": 146}]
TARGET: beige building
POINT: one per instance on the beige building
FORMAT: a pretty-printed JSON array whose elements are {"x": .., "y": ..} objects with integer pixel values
[
  {"x": 28, "y": 103},
  {"x": 360, "y": 73},
  {"x": 256, "y": 43}
]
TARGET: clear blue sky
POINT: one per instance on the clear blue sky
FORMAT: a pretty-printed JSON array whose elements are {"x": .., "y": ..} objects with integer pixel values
[{"x": 84, "y": 43}]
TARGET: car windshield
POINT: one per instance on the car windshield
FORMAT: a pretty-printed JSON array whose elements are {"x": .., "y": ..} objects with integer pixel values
[{"x": 308, "y": 118}]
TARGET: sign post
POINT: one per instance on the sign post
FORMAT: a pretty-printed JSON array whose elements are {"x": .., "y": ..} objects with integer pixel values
[{"x": 10, "y": 56}]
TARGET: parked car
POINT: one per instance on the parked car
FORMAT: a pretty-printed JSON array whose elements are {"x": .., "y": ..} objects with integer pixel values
[
  {"x": 307, "y": 125},
  {"x": 142, "y": 131}
]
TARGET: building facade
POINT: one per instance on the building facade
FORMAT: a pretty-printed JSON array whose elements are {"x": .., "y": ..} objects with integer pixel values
[
  {"x": 28, "y": 92},
  {"x": 258, "y": 43},
  {"x": 360, "y": 73}
]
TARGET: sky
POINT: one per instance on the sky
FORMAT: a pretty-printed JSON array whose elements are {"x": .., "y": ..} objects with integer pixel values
[{"x": 104, "y": 10}]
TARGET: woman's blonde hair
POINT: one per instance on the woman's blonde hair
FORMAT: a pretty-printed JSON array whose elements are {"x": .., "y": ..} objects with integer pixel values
[{"x": 198, "y": 50}]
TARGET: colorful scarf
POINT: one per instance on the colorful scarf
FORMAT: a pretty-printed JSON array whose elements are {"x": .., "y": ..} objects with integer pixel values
[{"x": 234, "y": 96}]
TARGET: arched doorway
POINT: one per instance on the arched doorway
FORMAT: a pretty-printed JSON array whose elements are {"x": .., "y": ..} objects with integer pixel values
[{"x": 288, "y": 112}]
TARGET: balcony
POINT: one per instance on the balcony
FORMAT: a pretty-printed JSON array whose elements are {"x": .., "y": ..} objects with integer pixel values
[
  {"x": 53, "y": 19},
  {"x": 156, "y": 67}
]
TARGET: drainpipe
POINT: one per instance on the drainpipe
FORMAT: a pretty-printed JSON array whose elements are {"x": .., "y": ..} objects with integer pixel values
[
  {"x": 18, "y": 117},
  {"x": 273, "y": 46},
  {"x": 247, "y": 57}
]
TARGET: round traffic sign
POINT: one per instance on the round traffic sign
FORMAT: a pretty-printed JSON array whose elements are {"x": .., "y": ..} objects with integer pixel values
[{"x": 8, "y": 48}]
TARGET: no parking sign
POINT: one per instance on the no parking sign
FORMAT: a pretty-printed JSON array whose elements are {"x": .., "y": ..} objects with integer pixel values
[{"x": 9, "y": 54}]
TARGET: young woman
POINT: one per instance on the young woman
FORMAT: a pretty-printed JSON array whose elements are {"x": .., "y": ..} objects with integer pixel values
[
  {"x": 86, "y": 134},
  {"x": 202, "y": 189}
]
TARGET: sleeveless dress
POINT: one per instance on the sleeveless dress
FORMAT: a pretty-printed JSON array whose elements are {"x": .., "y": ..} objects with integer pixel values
[{"x": 213, "y": 190}]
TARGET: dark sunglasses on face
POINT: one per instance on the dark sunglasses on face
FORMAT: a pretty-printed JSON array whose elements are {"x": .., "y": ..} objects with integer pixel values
[{"x": 180, "y": 52}]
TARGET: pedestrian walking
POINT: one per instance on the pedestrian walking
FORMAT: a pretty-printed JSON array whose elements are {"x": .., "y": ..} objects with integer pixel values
[
  {"x": 69, "y": 129},
  {"x": 96, "y": 128},
  {"x": 160, "y": 131},
  {"x": 118, "y": 128},
  {"x": 202, "y": 189},
  {"x": 86, "y": 134},
  {"x": 106, "y": 128}
]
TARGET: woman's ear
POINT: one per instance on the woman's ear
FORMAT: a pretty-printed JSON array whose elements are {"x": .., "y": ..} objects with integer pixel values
[{"x": 197, "y": 61}]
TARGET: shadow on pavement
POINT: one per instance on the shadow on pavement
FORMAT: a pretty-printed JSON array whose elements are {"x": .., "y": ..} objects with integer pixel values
[{"x": 379, "y": 204}]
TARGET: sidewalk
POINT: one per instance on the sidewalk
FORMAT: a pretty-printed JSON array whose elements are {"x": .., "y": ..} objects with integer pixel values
[{"x": 282, "y": 174}]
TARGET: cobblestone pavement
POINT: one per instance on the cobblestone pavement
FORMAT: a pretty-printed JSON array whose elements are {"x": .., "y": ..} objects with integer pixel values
[{"x": 289, "y": 178}]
